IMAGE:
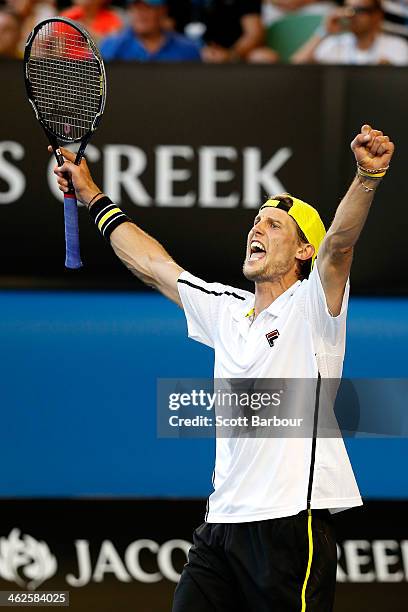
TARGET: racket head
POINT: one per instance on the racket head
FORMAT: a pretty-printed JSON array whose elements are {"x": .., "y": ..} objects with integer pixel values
[{"x": 65, "y": 79}]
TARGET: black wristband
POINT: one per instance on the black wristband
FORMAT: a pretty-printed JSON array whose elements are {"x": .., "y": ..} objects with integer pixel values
[{"x": 107, "y": 216}]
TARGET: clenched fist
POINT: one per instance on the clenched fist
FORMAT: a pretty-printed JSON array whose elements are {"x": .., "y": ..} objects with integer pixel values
[{"x": 372, "y": 149}]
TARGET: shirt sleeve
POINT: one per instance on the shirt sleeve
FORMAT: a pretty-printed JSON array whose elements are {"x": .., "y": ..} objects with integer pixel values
[
  {"x": 329, "y": 331},
  {"x": 203, "y": 304}
]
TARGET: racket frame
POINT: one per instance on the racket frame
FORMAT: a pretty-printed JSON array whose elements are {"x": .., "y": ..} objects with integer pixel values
[{"x": 73, "y": 260}]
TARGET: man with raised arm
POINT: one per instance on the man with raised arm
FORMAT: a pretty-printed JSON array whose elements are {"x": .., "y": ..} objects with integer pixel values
[
  {"x": 267, "y": 543},
  {"x": 353, "y": 34}
]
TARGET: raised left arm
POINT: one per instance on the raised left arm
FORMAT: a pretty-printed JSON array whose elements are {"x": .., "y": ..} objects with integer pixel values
[{"x": 373, "y": 152}]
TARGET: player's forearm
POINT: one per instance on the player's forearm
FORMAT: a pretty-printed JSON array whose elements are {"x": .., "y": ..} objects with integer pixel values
[
  {"x": 142, "y": 254},
  {"x": 350, "y": 218}
]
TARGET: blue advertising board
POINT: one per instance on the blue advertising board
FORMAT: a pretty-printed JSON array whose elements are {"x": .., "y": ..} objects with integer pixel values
[{"x": 79, "y": 374}]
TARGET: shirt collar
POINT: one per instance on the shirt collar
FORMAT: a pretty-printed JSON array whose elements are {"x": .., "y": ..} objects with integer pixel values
[
  {"x": 241, "y": 311},
  {"x": 280, "y": 302}
]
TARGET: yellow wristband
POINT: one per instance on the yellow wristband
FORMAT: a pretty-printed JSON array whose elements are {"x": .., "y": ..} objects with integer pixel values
[{"x": 378, "y": 175}]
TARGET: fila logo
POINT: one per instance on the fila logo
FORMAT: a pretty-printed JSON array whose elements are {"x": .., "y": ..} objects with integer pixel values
[{"x": 272, "y": 336}]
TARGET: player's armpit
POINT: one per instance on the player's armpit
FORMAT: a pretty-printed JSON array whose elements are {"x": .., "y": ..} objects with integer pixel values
[
  {"x": 334, "y": 270},
  {"x": 167, "y": 273}
]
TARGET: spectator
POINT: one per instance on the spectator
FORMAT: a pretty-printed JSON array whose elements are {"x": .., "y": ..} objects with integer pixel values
[
  {"x": 30, "y": 13},
  {"x": 233, "y": 29},
  {"x": 273, "y": 10},
  {"x": 352, "y": 35},
  {"x": 95, "y": 15},
  {"x": 10, "y": 33},
  {"x": 147, "y": 39}
]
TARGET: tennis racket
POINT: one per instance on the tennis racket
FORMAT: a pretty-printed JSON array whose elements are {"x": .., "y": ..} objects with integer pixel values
[{"x": 66, "y": 85}]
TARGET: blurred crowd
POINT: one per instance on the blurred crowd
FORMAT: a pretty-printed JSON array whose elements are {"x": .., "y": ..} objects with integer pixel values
[{"x": 363, "y": 32}]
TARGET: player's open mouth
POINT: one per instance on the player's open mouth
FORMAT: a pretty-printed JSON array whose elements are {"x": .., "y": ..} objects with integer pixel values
[{"x": 257, "y": 250}]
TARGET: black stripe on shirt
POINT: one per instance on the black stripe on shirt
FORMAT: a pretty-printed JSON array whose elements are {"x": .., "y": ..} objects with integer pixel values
[
  {"x": 216, "y": 293},
  {"x": 313, "y": 453},
  {"x": 207, "y": 507}
]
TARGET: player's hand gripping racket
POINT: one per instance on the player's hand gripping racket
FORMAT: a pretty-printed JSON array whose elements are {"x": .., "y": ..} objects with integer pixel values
[{"x": 66, "y": 85}]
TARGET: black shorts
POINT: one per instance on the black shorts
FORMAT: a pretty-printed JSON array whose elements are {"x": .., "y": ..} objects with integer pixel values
[{"x": 279, "y": 565}]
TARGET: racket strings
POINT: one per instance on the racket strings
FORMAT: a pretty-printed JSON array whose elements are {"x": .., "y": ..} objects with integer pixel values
[{"x": 66, "y": 80}]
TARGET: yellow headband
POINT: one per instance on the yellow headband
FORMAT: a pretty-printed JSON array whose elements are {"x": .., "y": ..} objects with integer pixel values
[{"x": 306, "y": 217}]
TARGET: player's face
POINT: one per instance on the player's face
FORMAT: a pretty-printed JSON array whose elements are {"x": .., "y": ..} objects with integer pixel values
[{"x": 272, "y": 246}]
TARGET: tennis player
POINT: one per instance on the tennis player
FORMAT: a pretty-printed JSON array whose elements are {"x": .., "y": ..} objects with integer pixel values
[{"x": 267, "y": 544}]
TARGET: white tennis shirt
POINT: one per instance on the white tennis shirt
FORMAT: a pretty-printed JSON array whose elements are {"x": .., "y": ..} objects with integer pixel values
[{"x": 265, "y": 478}]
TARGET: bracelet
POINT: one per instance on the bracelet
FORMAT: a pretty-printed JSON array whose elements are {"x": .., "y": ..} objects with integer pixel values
[
  {"x": 375, "y": 174},
  {"x": 372, "y": 171},
  {"x": 95, "y": 196},
  {"x": 366, "y": 189},
  {"x": 107, "y": 216}
]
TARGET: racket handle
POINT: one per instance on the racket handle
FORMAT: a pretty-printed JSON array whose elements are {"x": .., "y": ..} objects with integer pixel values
[{"x": 72, "y": 252}]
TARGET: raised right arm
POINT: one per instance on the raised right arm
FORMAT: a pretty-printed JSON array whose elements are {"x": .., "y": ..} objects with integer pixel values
[{"x": 142, "y": 255}]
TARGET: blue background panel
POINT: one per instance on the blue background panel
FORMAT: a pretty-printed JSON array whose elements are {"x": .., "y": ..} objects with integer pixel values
[{"x": 78, "y": 380}]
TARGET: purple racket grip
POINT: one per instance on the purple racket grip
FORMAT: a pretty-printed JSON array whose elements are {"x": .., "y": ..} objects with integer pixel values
[{"x": 73, "y": 256}]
